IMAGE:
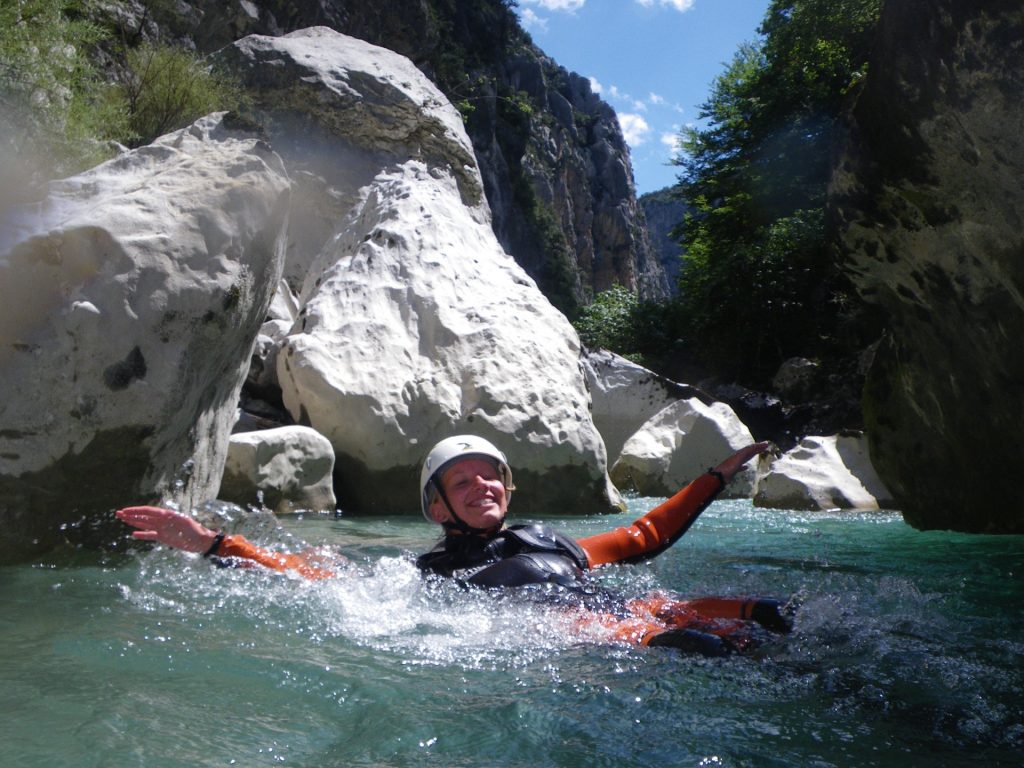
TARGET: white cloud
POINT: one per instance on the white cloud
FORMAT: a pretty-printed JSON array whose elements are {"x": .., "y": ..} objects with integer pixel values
[
  {"x": 634, "y": 128},
  {"x": 672, "y": 143},
  {"x": 557, "y": 5},
  {"x": 531, "y": 20},
  {"x": 655, "y": 98},
  {"x": 680, "y": 5},
  {"x": 639, "y": 106},
  {"x": 614, "y": 92},
  {"x": 595, "y": 86}
]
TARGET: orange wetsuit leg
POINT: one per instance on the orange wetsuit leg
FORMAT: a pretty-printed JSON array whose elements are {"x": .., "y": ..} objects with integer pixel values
[
  {"x": 628, "y": 631},
  {"x": 764, "y": 611},
  {"x": 675, "y": 616},
  {"x": 641, "y": 629},
  {"x": 655, "y": 531}
]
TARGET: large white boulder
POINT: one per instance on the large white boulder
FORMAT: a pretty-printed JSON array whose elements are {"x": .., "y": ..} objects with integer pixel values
[
  {"x": 832, "y": 472},
  {"x": 338, "y": 109},
  {"x": 421, "y": 327},
  {"x": 680, "y": 442},
  {"x": 625, "y": 395},
  {"x": 129, "y": 300},
  {"x": 414, "y": 323},
  {"x": 289, "y": 468}
]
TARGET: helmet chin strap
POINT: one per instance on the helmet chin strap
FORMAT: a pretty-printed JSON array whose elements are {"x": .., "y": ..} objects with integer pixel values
[{"x": 457, "y": 522}]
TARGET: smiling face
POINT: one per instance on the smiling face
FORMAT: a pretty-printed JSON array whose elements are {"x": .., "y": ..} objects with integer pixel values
[{"x": 476, "y": 492}]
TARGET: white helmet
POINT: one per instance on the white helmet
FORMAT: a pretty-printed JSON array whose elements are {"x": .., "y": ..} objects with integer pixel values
[{"x": 453, "y": 449}]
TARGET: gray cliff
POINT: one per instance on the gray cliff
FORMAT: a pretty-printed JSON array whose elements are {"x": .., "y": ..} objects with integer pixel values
[{"x": 664, "y": 212}]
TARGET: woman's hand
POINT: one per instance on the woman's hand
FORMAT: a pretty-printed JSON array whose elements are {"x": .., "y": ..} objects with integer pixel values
[
  {"x": 735, "y": 463},
  {"x": 167, "y": 527}
]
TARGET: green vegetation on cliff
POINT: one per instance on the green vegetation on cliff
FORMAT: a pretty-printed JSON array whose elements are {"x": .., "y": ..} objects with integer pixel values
[
  {"x": 62, "y": 112},
  {"x": 55, "y": 109},
  {"x": 760, "y": 282}
]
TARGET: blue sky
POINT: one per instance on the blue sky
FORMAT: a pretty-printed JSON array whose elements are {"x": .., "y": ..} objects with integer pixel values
[{"x": 653, "y": 60}]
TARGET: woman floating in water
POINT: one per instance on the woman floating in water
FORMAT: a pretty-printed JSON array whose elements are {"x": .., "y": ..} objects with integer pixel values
[{"x": 466, "y": 484}]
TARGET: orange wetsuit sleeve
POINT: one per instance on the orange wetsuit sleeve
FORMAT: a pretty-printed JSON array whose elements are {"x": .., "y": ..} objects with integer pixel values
[
  {"x": 657, "y": 530},
  {"x": 240, "y": 547}
]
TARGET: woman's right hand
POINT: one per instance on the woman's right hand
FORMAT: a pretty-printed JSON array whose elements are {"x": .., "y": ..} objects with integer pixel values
[{"x": 168, "y": 527}]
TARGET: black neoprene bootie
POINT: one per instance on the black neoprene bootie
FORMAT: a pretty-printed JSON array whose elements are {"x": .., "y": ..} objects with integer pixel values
[
  {"x": 691, "y": 641},
  {"x": 770, "y": 614}
]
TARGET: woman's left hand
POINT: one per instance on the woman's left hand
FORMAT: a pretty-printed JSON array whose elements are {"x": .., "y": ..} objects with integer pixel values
[{"x": 735, "y": 463}]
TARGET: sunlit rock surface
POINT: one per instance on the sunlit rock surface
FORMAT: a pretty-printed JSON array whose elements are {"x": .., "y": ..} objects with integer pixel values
[
  {"x": 929, "y": 199},
  {"x": 625, "y": 395},
  {"x": 419, "y": 327},
  {"x": 414, "y": 322},
  {"x": 832, "y": 472},
  {"x": 338, "y": 109},
  {"x": 680, "y": 442},
  {"x": 129, "y": 299},
  {"x": 287, "y": 469}
]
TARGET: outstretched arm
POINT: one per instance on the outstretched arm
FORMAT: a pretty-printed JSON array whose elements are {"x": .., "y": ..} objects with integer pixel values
[
  {"x": 660, "y": 528},
  {"x": 168, "y": 527}
]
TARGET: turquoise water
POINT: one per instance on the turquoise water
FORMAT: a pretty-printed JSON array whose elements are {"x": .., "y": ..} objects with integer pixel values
[{"x": 908, "y": 650}]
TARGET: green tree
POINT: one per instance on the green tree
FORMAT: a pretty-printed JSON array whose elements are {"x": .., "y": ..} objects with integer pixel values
[
  {"x": 758, "y": 283},
  {"x": 59, "y": 114},
  {"x": 607, "y": 322},
  {"x": 166, "y": 88},
  {"x": 618, "y": 321}
]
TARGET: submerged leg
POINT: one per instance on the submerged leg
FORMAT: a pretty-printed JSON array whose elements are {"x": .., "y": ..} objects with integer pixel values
[
  {"x": 691, "y": 641},
  {"x": 767, "y": 612}
]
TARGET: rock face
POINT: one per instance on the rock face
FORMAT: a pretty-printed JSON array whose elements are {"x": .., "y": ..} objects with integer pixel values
[
  {"x": 129, "y": 299},
  {"x": 625, "y": 395},
  {"x": 337, "y": 109},
  {"x": 414, "y": 323},
  {"x": 561, "y": 184},
  {"x": 290, "y": 468},
  {"x": 554, "y": 164},
  {"x": 663, "y": 214},
  {"x": 822, "y": 473},
  {"x": 928, "y": 197},
  {"x": 679, "y": 443}
]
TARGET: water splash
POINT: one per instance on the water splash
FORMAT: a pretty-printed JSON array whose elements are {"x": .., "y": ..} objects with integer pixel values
[{"x": 384, "y": 605}]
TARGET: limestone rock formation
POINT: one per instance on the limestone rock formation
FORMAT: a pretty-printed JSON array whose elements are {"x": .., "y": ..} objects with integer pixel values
[
  {"x": 820, "y": 473},
  {"x": 663, "y": 213},
  {"x": 625, "y": 395},
  {"x": 561, "y": 186},
  {"x": 928, "y": 199},
  {"x": 414, "y": 323},
  {"x": 554, "y": 164},
  {"x": 288, "y": 469},
  {"x": 680, "y": 442},
  {"x": 129, "y": 299},
  {"x": 336, "y": 109},
  {"x": 796, "y": 378}
]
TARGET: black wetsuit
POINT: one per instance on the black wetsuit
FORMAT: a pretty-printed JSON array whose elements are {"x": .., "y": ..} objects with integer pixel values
[{"x": 515, "y": 557}]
